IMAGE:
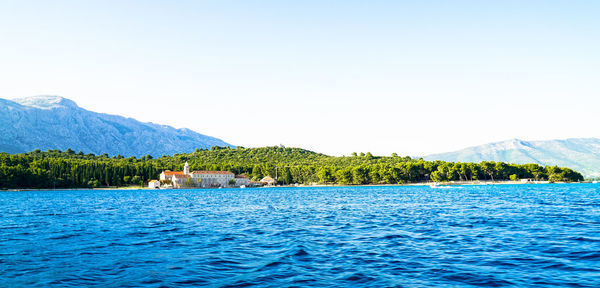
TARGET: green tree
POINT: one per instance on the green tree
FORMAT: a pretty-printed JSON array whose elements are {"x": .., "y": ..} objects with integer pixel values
[
  {"x": 438, "y": 176},
  {"x": 56, "y": 169},
  {"x": 344, "y": 176},
  {"x": 93, "y": 183},
  {"x": 137, "y": 180},
  {"x": 325, "y": 175},
  {"x": 286, "y": 177},
  {"x": 257, "y": 172},
  {"x": 489, "y": 168},
  {"x": 360, "y": 175}
]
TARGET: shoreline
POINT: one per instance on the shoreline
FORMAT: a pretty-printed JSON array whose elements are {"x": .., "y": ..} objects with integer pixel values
[
  {"x": 438, "y": 184},
  {"x": 451, "y": 183}
]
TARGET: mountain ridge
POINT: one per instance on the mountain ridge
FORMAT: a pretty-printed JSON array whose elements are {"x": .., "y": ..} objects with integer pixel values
[
  {"x": 54, "y": 122},
  {"x": 580, "y": 154}
]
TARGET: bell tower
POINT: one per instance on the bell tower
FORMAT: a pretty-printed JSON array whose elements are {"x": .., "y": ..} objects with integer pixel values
[{"x": 186, "y": 169}]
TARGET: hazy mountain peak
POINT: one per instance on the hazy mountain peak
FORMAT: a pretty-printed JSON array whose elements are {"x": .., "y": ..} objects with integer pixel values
[
  {"x": 53, "y": 122},
  {"x": 515, "y": 144},
  {"x": 46, "y": 102},
  {"x": 580, "y": 154}
]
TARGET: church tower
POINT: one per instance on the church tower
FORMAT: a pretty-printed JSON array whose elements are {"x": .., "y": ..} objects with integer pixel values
[{"x": 186, "y": 169}]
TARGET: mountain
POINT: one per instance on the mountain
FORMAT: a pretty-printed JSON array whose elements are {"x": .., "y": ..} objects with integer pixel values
[
  {"x": 53, "y": 122},
  {"x": 580, "y": 154}
]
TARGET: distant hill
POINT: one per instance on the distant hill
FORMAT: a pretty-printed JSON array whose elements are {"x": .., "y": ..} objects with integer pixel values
[
  {"x": 52, "y": 122},
  {"x": 580, "y": 154},
  {"x": 68, "y": 169}
]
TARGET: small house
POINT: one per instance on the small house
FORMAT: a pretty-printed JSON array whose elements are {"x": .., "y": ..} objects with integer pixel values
[
  {"x": 268, "y": 180},
  {"x": 154, "y": 184},
  {"x": 241, "y": 180}
]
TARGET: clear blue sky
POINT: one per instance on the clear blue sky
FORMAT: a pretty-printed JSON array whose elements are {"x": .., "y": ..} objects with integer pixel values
[{"x": 412, "y": 77}]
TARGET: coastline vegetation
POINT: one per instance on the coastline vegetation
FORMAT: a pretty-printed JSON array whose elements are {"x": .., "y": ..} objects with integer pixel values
[{"x": 70, "y": 169}]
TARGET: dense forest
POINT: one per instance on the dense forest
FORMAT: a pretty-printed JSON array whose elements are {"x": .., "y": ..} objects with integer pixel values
[{"x": 70, "y": 169}]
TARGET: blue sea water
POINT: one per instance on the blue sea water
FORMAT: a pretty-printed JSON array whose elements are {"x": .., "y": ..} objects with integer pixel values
[{"x": 496, "y": 236}]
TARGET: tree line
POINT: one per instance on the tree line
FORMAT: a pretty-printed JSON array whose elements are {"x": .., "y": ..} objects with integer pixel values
[{"x": 70, "y": 169}]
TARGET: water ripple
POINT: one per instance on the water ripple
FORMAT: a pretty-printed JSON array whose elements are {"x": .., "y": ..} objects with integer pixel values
[{"x": 491, "y": 236}]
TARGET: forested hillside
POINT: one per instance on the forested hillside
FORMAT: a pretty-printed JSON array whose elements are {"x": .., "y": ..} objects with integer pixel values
[{"x": 70, "y": 169}]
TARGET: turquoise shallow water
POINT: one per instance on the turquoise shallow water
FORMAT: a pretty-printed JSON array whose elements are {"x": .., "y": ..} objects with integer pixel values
[{"x": 505, "y": 235}]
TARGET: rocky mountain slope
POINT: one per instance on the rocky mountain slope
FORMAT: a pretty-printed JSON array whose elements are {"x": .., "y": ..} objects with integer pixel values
[
  {"x": 580, "y": 154},
  {"x": 53, "y": 122}
]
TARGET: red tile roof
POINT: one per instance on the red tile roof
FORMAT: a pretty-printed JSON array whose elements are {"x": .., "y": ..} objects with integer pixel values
[
  {"x": 241, "y": 176},
  {"x": 170, "y": 173},
  {"x": 212, "y": 172},
  {"x": 182, "y": 176}
]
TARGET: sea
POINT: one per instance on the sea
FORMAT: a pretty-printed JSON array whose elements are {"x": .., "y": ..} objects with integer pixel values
[{"x": 544, "y": 235}]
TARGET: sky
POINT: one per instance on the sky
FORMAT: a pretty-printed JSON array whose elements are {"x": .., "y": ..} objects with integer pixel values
[{"x": 336, "y": 77}]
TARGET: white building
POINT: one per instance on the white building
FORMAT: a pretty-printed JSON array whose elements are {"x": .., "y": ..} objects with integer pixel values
[
  {"x": 268, "y": 180},
  {"x": 181, "y": 180},
  {"x": 204, "y": 179},
  {"x": 242, "y": 180},
  {"x": 213, "y": 178},
  {"x": 153, "y": 184},
  {"x": 168, "y": 174}
]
